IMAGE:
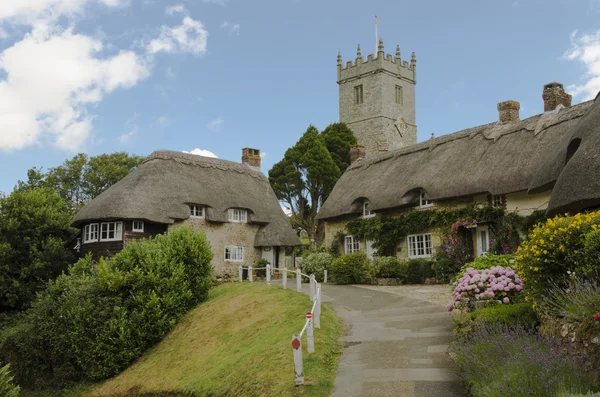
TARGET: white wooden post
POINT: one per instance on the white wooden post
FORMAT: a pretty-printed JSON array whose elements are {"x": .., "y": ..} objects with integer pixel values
[
  {"x": 298, "y": 280},
  {"x": 284, "y": 280},
  {"x": 297, "y": 351},
  {"x": 325, "y": 276},
  {"x": 268, "y": 274},
  {"x": 310, "y": 335},
  {"x": 312, "y": 288},
  {"x": 241, "y": 273},
  {"x": 317, "y": 314},
  {"x": 250, "y": 274}
]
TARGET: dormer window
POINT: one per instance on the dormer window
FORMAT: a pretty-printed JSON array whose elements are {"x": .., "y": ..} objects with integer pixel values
[
  {"x": 196, "y": 211},
  {"x": 367, "y": 213},
  {"x": 423, "y": 202},
  {"x": 497, "y": 201},
  {"x": 237, "y": 215}
]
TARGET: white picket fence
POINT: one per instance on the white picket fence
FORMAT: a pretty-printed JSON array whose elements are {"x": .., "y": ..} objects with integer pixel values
[{"x": 313, "y": 317}]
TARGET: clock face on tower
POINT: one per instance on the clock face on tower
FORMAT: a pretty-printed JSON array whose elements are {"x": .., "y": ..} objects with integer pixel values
[{"x": 401, "y": 126}]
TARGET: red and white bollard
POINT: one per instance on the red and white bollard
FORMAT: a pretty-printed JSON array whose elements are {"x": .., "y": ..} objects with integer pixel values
[
  {"x": 310, "y": 337},
  {"x": 297, "y": 351}
]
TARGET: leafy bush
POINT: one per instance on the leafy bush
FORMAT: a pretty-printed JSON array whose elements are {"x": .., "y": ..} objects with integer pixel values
[
  {"x": 260, "y": 264},
  {"x": 351, "y": 268},
  {"x": 444, "y": 268},
  {"x": 316, "y": 263},
  {"x": 555, "y": 248},
  {"x": 591, "y": 248},
  {"x": 7, "y": 387},
  {"x": 34, "y": 230},
  {"x": 390, "y": 267},
  {"x": 512, "y": 316},
  {"x": 100, "y": 317},
  {"x": 496, "y": 284},
  {"x": 500, "y": 361},
  {"x": 419, "y": 270}
]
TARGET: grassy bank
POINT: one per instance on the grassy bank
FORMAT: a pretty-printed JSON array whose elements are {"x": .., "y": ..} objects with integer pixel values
[{"x": 235, "y": 344}]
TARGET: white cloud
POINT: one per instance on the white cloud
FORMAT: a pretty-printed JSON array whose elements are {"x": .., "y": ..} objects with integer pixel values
[
  {"x": 125, "y": 138},
  {"x": 231, "y": 27},
  {"x": 216, "y": 124},
  {"x": 163, "y": 121},
  {"x": 263, "y": 155},
  {"x": 586, "y": 49},
  {"x": 177, "y": 8},
  {"x": 202, "y": 152},
  {"x": 30, "y": 11},
  {"x": 286, "y": 209},
  {"x": 51, "y": 75},
  {"x": 190, "y": 36}
]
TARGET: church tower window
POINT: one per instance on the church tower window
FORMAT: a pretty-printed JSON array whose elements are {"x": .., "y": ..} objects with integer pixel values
[
  {"x": 358, "y": 94},
  {"x": 399, "y": 100}
]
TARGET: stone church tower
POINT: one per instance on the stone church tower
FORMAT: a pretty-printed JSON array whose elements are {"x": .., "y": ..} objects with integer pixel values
[{"x": 377, "y": 99}]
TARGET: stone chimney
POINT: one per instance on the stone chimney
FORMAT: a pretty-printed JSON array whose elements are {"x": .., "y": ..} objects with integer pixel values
[
  {"x": 251, "y": 158},
  {"x": 356, "y": 152},
  {"x": 508, "y": 112},
  {"x": 554, "y": 95}
]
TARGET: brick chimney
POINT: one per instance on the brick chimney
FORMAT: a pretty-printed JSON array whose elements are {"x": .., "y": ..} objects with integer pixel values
[
  {"x": 554, "y": 95},
  {"x": 251, "y": 158},
  {"x": 356, "y": 152},
  {"x": 508, "y": 112}
]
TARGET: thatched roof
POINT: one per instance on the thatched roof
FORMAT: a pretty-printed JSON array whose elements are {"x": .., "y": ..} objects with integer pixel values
[
  {"x": 491, "y": 158},
  {"x": 162, "y": 187},
  {"x": 578, "y": 186}
]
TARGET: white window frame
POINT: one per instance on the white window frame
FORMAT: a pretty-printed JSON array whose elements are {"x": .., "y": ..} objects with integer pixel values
[
  {"x": 137, "y": 229},
  {"x": 351, "y": 244},
  {"x": 237, "y": 215},
  {"x": 483, "y": 242},
  {"x": 497, "y": 201},
  {"x": 118, "y": 231},
  {"x": 420, "y": 245},
  {"x": 196, "y": 211},
  {"x": 423, "y": 202},
  {"x": 88, "y": 232},
  {"x": 367, "y": 213},
  {"x": 234, "y": 253}
]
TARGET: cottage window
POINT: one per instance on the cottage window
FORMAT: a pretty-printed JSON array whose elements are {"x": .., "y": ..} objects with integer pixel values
[
  {"x": 352, "y": 244},
  {"x": 196, "y": 211},
  {"x": 111, "y": 231},
  {"x": 419, "y": 246},
  {"x": 237, "y": 215},
  {"x": 497, "y": 201},
  {"x": 367, "y": 213},
  {"x": 138, "y": 226},
  {"x": 90, "y": 233},
  {"x": 423, "y": 202},
  {"x": 399, "y": 95},
  {"x": 358, "y": 94},
  {"x": 234, "y": 253}
]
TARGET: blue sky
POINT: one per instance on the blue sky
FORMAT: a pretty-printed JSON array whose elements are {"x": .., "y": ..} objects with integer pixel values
[{"x": 99, "y": 76}]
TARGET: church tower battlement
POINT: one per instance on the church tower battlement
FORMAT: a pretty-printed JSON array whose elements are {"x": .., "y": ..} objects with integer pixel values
[{"x": 377, "y": 99}]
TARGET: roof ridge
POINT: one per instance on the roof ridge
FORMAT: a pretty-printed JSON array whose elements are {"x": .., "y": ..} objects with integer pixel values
[
  {"x": 471, "y": 132},
  {"x": 203, "y": 161}
]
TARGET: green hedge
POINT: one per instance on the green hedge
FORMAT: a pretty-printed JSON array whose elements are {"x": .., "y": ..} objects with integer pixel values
[
  {"x": 419, "y": 270},
  {"x": 316, "y": 263},
  {"x": 390, "y": 267},
  {"x": 354, "y": 268},
  {"x": 94, "y": 321},
  {"x": 510, "y": 316}
]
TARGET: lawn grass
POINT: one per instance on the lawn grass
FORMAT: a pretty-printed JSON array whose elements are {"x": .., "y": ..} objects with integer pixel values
[{"x": 235, "y": 344}]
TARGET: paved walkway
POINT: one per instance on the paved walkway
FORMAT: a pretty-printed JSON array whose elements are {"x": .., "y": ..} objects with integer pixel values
[{"x": 396, "y": 341}]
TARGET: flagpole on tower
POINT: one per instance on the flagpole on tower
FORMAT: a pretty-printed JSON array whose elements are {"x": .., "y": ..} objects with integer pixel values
[{"x": 376, "y": 35}]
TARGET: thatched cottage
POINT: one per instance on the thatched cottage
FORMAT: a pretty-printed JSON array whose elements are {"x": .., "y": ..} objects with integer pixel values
[
  {"x": 232, "y": 203},
  {"x": 550, "y": 161}
]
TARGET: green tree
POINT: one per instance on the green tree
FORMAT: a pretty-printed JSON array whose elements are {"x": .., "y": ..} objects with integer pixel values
[
  {"x": 305, "y": 176},
  {"x": 82, "y": 178},
  {"x": 34, "y": 229}
]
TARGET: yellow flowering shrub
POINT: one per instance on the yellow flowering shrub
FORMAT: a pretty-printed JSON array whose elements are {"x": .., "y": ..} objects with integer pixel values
[{"x": 555, "y": 250}]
